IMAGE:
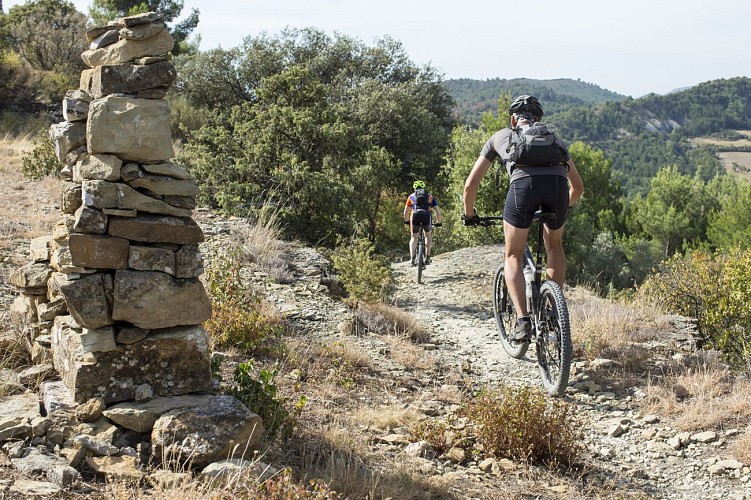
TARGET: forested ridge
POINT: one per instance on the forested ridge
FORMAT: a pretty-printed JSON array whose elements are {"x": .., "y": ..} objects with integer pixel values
[{"x": 475, "y": 97}]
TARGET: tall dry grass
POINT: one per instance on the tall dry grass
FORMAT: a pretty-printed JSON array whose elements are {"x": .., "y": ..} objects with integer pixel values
[
  {"x": 700, "y": 392},
  {"x": 260, "y": 241},
  {"x": 28, "y": 207},
  {"x": 383, "y": 319},
  {"x": 608, "y": 328}
]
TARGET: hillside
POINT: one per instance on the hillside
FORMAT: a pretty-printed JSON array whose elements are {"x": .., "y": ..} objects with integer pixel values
[
  {"x": 474, "y": 97},
  {"x": 686, "y": 128}
]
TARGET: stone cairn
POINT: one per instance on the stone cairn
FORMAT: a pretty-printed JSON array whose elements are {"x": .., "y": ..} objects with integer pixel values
[{"x": 112, "y": 297}]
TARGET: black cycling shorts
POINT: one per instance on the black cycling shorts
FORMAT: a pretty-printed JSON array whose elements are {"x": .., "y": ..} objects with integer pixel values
[
  {"x": 421, "y": 218},
  {"x": 528, "y": 194}
]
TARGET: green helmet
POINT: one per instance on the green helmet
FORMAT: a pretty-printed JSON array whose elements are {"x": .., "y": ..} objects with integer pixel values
[{"x": 418, "y": 185}]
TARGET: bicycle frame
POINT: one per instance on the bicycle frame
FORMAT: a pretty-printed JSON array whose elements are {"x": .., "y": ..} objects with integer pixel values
[{"x": 547, "y": 310}]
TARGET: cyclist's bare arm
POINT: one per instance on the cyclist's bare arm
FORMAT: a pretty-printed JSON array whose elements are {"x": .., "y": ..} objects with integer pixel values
[
  {"x": 437, "y": 214},
  {"x": 576, "y": 186},
  {"x": 473, "y": 183}
]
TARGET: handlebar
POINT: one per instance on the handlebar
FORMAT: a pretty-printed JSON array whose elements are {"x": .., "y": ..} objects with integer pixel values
[
  {"x": 492, "y": 220},
  {"x": 487, "y": 221}
]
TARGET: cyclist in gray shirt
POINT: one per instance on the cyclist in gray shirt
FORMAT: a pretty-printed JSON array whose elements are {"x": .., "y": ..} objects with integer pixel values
[{"x": 552, "y": 188}]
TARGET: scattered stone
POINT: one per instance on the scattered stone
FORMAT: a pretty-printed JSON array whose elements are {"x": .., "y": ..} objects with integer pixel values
[
  {"x": 704, "y": 437},
  {"x": 420, "y": 449},
  {"x": 116, "y": 468}
]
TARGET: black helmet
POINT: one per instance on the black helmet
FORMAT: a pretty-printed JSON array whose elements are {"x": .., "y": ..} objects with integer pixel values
[{"x": 526, "y": 104}]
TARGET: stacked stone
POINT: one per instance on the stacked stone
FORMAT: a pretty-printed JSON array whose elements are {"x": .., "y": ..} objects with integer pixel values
[{"x": 114, "y": 292}]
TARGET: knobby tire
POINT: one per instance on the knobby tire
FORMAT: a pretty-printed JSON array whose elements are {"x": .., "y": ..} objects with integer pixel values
[
  {"x": 554, "y": 346},
  {"x": 420, "y": 256},
  {"x": 505, "y": 317}
]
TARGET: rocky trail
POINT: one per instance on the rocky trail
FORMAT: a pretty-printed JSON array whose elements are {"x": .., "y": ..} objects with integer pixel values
[{"x": 629, "y": 453}]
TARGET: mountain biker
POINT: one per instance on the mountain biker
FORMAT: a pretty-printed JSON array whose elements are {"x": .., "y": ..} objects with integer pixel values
[
  {"x": 418, "y": 213},
  {"x": 553, "y": 188}
]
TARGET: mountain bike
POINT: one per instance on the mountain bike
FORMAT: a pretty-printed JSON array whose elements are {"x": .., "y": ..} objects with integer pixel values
[
  {"x": 420, "y": 254},
  {"x": 547, "y": 309}
]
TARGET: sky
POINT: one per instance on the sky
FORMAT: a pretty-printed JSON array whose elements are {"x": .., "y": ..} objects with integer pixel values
[{"x": 632, "y": 47}]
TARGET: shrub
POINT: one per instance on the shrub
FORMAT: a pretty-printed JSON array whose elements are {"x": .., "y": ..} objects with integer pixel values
[
  {"x": 259, "y": 393},
  {"x": 435, "y": 432},
  {"x": 365, "y": 276},
  {"x": 713, "y": 289},
  {"x": 524, "y": 424},
  {"x": 40, "y": 161},
  {"x": 284, "y": 487},
  {"x": 239, "y": 318}
]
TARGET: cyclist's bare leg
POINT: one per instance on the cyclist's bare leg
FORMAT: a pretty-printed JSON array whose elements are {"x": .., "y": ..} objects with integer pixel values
[
  {"x": 556, "y": 258},
  {"x": 413, "y": 246},
  {"x": 428, "y": 242},
  {"x": 516, "y": 242}
]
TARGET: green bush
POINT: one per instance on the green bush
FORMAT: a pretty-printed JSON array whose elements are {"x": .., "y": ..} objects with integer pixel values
[
  {"x": 284, "y": 487},
  {"x": 238, "y": 317},
  {"x": 259, "y": 393},
  {"x": 365, "y": 276},
  {"x": 713, "y": 289},
  {"x": 525, "y": 424},
  {"x": 40, "y": 161}
]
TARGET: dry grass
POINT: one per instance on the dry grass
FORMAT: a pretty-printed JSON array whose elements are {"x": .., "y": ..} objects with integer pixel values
[
  {"x": 383, "y": 319},
  {"x": 30, "y": 211},
  {"x": 701, "y": 393},
  {"x": 413, "y": 358},
  {"x": 386, "y": 417},
  {"x": 741, "y": 447},
  {"x": 260, "y": 242},
  {"x": 608, "y": 328}
]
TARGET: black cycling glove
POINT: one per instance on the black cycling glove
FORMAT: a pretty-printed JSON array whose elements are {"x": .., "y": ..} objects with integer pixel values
[{"x": 471, "y": 220}]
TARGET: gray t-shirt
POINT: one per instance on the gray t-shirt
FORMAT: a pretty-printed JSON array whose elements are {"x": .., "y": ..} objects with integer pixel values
[{"x": 496, "y": 148}]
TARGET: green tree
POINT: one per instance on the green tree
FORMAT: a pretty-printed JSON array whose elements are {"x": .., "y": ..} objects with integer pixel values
[
  {"x": 103, "y": 11},
  {"x": 325, "y": 130},
  {"x": 466, "y": 144},
  {"x": 675, "y": 211},
  {"x": 48, "y": 34},
  {"x": 729, "y": 226}
]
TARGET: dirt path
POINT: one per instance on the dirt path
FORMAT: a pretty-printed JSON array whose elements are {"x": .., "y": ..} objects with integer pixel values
[
  {"x": 629, "y": 451},
  {"x": 455, "y": 301}
]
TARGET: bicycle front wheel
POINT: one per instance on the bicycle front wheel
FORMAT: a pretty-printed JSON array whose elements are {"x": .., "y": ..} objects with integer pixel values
[
  {"x": 505, "y": 317},
  {"x": 420, "y": 257},
  {"x": 554, "y": 347}
]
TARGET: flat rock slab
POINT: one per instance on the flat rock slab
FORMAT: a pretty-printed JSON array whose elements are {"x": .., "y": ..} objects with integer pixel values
[
  {"x": 224, "y": 428},
  {"x": 130, "y": 128},
  {"x": 140, "y": 417},
  {"x": 151, "y": 299},
  {"x": 172, "y": 361},
  {"x": 156, "y": 229}
]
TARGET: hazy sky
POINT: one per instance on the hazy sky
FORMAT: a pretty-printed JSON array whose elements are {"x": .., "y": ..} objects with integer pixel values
[{"x": 629, "y": 46}]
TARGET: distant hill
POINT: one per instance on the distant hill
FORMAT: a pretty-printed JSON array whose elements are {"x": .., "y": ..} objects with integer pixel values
[
  {"x": 642, "y": 135},
  {"x": 474, "y": 97},
  {"x": 639, "y": 135}
]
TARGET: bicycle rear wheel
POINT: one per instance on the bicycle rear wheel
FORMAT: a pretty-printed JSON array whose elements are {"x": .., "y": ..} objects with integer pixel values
[
  {"x": 554, "y": 347},
  {"x": 420, "y": 256},
  {"x": 505, "y": 317}
]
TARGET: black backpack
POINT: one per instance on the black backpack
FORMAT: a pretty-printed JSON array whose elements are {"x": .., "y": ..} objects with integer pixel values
[
  {"x": 422, "y": 199},
  {"x": 535, "y": 147}
]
